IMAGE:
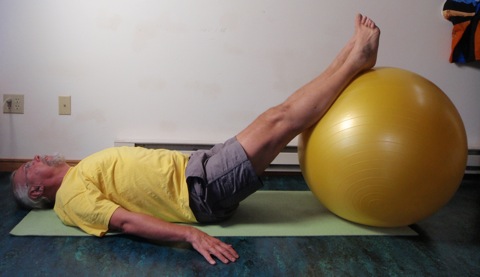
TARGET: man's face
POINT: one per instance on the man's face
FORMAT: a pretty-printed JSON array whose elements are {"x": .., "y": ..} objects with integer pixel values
[{"x": 35, "y": 171}]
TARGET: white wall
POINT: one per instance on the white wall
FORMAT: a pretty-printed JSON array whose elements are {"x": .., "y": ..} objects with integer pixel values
[{"x": 192, "y": 69}]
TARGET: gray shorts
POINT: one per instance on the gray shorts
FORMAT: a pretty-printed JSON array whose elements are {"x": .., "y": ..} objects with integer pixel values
[{"x": 218, "y": 179}]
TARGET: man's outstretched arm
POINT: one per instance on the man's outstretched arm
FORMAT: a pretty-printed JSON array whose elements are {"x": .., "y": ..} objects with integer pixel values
[{"x": 149, "y": 227}]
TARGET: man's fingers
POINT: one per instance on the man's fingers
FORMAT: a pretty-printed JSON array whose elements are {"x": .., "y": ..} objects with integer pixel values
[
  {"x": 224, "y": 252},
  {"x": 209, "y": 246},
  {"x": 223, "y": 255},
  {"x": 208, "y": 257},
  {"x": 228, "y": 252},
  {"x": 210, "y": 251}
]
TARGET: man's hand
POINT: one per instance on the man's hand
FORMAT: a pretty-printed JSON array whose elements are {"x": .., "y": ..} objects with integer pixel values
[
  {"x": 149, "y": 227},
  {"x": 209, "y": 246}
]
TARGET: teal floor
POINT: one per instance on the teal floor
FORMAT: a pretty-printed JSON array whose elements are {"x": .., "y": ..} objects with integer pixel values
[{"x": 448, "y": 245}]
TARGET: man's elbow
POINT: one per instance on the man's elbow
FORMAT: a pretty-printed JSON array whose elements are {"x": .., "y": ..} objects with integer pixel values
[{"x": 121, "y": 222}]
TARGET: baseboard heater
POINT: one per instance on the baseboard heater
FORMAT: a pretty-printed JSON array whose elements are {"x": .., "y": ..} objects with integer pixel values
[
  {"x": 473, "y": 162},
  {"x": 286, "y": 161}
]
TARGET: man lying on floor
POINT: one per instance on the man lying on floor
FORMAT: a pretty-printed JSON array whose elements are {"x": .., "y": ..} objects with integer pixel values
[{"x": 145, "y": 192}]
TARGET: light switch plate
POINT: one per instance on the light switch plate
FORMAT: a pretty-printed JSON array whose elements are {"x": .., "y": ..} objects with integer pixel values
[{"x": 64, "y": 105}]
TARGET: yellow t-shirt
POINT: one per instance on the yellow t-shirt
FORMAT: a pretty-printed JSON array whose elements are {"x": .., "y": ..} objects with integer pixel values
[{"x": 137, "y": 179}]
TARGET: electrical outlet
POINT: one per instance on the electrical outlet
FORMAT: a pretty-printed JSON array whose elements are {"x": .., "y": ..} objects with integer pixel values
[
  {"x": 13, "y": 103},
  {"x": 64, "y": 105}
]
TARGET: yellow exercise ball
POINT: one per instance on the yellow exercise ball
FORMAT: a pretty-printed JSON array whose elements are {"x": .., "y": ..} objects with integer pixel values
[{"x": 390, "y": 152}]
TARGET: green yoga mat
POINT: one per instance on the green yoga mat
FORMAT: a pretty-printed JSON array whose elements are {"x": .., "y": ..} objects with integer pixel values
[{"x": 265, "y": 213}]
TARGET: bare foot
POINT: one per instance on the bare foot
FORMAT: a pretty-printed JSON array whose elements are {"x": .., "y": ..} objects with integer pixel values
[{"x": 363, "y": 56}]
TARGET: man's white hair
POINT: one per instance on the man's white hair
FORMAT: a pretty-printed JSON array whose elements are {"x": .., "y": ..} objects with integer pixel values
[{"x": 20, "y": 191}]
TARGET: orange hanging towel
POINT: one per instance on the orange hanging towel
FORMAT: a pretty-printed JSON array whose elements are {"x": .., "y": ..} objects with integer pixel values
[{"x": 465, "y": 18}]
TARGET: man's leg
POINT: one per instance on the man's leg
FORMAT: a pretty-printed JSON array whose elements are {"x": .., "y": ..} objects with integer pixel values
[{"x": 265, "y": 137}]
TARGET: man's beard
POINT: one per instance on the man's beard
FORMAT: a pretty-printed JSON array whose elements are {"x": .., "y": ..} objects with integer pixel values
[{"x": 55, "y": 159}]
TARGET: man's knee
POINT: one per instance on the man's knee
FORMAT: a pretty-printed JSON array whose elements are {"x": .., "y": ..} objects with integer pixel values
[
  {"x": 279, "y": 120},
  {"x": 276, "y": 116}
]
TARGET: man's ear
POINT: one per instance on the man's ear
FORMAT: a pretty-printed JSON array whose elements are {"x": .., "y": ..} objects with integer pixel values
[{"x": 35, "y": 192}]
